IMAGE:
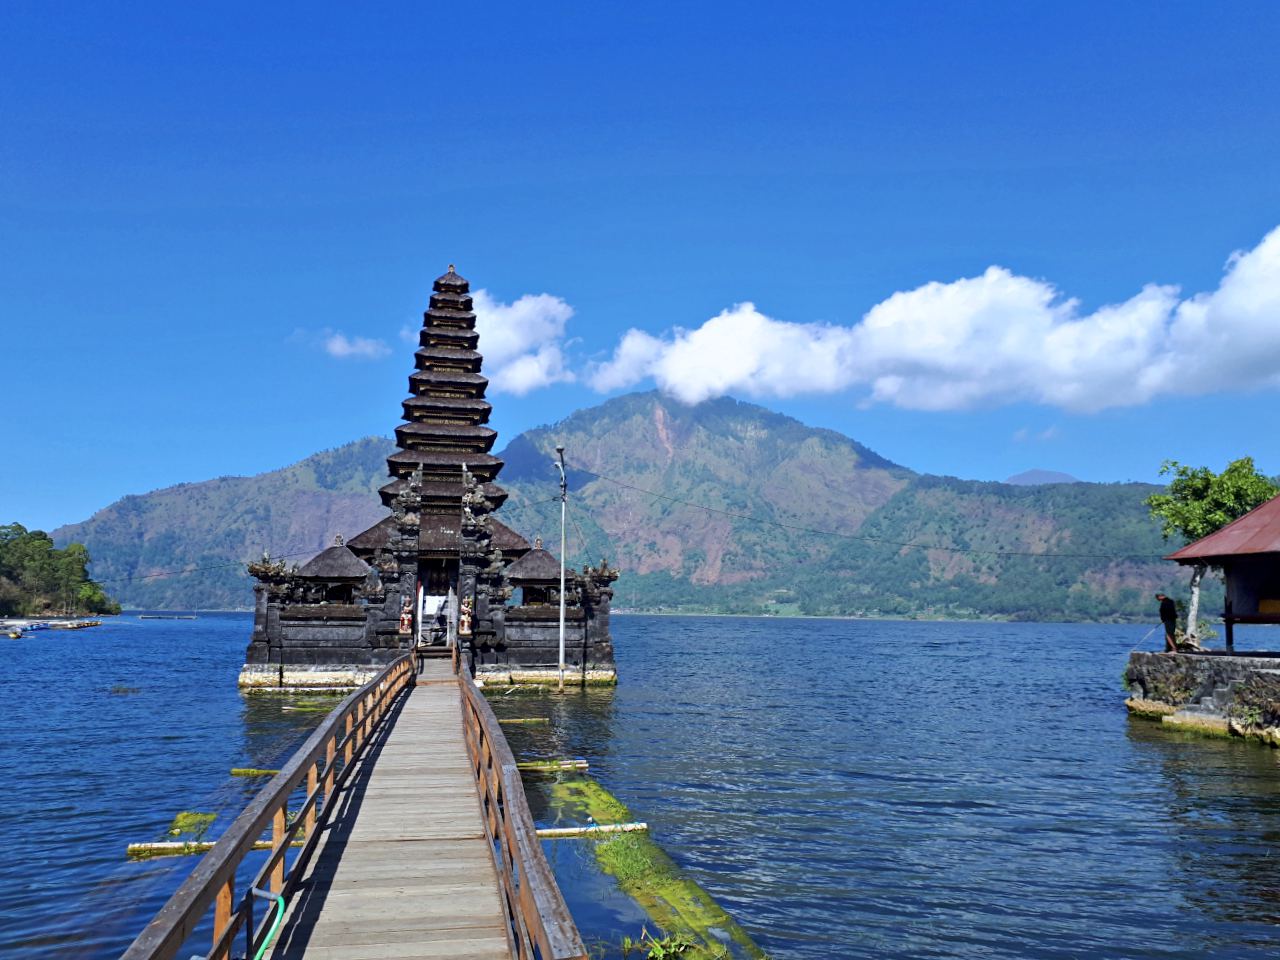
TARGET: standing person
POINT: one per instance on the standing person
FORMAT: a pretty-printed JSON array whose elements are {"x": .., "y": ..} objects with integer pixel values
[{"x": 1169, "y": 617}]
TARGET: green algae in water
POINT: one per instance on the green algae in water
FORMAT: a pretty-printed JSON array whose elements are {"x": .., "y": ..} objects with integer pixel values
[
  {"x": 645, "y": 873},
  {"x": 191, "y": 824},
  {"x": 585, "y": 799},
  {"x": 252, "y": 772}
]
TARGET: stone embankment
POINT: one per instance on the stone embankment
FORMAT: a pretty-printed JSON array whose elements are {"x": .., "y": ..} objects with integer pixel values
[{"x": 1210, "y": 693}]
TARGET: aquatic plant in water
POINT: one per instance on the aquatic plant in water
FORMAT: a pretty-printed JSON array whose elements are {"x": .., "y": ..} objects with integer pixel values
[
  {"x": 191, "y": 825},
  {"x": 643, "y": 871}
]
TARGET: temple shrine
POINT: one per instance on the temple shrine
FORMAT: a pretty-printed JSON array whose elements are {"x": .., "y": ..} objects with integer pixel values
[{"x": 440, "y": 570}]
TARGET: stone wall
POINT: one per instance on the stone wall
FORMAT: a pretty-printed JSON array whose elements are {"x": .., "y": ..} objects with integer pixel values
[
  {"x": 1210, "y": 693},
  {"x": 529, "y": 651},
  {"x": 316, "y": 645}
]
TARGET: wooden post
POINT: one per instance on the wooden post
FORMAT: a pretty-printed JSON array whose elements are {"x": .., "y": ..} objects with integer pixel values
[
  {"x": 222, "y": 915},
  {"x": 277, "y": 844},
  {"x": 329, "y": 752},
  {"x": 313, "y": 781},
  {"x": 346, "y": 751}
]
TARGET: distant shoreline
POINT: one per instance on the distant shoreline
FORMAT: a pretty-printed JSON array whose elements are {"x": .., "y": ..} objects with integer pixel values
[{"x": 888, "y": 617}]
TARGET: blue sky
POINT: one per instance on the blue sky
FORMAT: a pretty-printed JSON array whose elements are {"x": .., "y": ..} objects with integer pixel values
[{"x": 195, "y": 204}]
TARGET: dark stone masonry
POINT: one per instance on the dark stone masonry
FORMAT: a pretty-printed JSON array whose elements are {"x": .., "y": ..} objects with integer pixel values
[
  {"x": 1215, "y": 693},
  {"x": 440, "y": 570}
]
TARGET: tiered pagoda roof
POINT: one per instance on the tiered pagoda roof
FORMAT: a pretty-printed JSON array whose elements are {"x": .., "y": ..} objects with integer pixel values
[
  {"x": 444, "y": 425},
  {"x": 446, "y": 412}
]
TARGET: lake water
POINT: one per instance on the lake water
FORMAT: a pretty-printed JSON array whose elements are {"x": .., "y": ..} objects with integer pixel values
[{"x": 844, "y": 788}]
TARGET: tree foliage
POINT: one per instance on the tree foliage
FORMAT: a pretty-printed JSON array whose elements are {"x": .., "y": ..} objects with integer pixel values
[
  {"x": 37, "y": 578},
  {"x": 1199, "y": 502}
]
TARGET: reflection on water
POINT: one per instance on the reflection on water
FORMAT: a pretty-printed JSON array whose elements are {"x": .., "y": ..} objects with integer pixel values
[{"x": 844, "y": 788}]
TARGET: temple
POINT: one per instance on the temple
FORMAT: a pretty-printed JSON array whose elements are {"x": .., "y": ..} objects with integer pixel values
[{"x": 440, "y": 570}]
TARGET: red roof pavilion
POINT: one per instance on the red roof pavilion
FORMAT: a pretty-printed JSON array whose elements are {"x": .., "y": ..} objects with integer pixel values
[
  {"x": 1248, "y": 551},
  {"x": 1258, "y": 531}
]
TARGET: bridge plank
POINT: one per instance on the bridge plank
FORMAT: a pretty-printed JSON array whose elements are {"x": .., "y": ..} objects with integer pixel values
[{"x": 404, "y": 870}]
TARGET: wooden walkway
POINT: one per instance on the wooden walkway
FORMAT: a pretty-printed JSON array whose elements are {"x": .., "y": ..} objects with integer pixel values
[{"x": 404, "y": 869}]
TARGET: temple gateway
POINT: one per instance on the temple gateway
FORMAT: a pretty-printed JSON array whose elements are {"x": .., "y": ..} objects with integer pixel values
[{"x": 440, "y": 570}]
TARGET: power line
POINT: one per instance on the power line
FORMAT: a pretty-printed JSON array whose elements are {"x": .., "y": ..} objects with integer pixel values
[
  {"x": 582, "y": 537},
  {"x": 212, "y": 566},
  {"x": 853, "y": 536}
]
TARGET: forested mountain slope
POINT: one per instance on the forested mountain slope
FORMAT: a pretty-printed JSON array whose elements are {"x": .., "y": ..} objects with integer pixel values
[
  {"x": 212, "y": 527},
  {"x": 722, "y": 507},
  {"x": 1075, "y": 550}
]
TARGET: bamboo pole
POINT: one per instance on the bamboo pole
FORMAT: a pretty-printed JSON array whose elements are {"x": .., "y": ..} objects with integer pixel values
[
  {"x": 180, "y": 848},
  {"x": 593, "y": 830},
  {"x": 551, "y": 766}
]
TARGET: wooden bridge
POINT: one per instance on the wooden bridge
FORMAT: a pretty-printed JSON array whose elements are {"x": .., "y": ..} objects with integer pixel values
[{"x": 415, "y": 842}]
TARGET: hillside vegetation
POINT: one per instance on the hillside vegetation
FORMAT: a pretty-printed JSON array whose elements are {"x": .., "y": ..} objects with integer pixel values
[
  {"x": 37, "y": 579},
  {"x": 844, "y": 519},
  {"x": 211, "y": 528},
  {"x": 801, "y": 520}
]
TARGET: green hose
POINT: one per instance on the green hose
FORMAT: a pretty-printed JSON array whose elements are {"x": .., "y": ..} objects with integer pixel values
[{"x": 275, "y": 925}]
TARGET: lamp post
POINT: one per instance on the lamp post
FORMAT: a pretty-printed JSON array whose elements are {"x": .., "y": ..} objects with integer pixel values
[{"x": 564, "y": 498}]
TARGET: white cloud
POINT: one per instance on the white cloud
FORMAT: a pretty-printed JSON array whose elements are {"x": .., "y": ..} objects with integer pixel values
[
  {"x": 986, "y": 340},
  {"x": 523, "y": 342},
  {"x": 359, "y": 348}
]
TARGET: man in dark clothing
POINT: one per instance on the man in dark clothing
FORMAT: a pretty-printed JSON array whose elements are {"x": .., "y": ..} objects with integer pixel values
[{"x": 1169, "y": 617}]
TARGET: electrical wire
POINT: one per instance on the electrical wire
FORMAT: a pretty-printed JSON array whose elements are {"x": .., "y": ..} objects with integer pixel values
[{"x": 212, "y": 566}]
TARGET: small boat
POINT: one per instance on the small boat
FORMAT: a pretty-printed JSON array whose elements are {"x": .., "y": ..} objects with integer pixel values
[{"x": 15, "y": 633}]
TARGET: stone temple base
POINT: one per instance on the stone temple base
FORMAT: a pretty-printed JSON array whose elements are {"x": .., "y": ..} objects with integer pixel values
[
  {"x": 504, "y": 675},
  {"x": 270, "y": 678}
]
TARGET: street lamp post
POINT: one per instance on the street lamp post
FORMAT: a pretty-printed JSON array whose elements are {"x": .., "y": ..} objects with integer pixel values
[{"x": 564, "y": 498}]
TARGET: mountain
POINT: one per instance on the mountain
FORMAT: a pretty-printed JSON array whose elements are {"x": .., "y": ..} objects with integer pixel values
[
  {"x": 1032, "y": 478},
  {"x": 721, "y": 507},
  {"x": 211, "y": 528},
  {"x": 842, "y": 525}
]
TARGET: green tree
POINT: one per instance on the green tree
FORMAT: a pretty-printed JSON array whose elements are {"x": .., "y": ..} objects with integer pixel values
[
  {"x": 1199, "y": 502},
  {"x": 36, "y": 577}
]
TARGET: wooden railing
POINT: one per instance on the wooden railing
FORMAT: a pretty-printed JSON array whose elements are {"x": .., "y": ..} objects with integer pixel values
[
  {"x": 324, "y": 762},
  {"x": 539, "y": 923}
]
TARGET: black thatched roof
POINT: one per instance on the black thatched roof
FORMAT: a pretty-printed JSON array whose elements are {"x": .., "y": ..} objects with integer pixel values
[
  {"x": 454, "y": 406},
  {"x": 452, "y": 299},
  {"x": 449, "y": 378},
  {"x": 477, "y": 463},
  {"x": 435, "y": 491},
  {"x": 376, "y": 537},
  {"x": 451, "y": 282},
  {"x": 506, "y": 539},
  {"x": 437, "y": 531},
  {"x": 443, "y": 316},
  {"x": 451, "y": 354},
  {"x": 536, "y": 566},
  {"x": 459, "y": 338},
  {"x": 335, "y": 563},
  {"x": 451, "y": 431}
]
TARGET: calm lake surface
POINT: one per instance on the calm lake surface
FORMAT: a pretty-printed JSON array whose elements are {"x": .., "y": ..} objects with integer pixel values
[{"x": 844, "y": 788}]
